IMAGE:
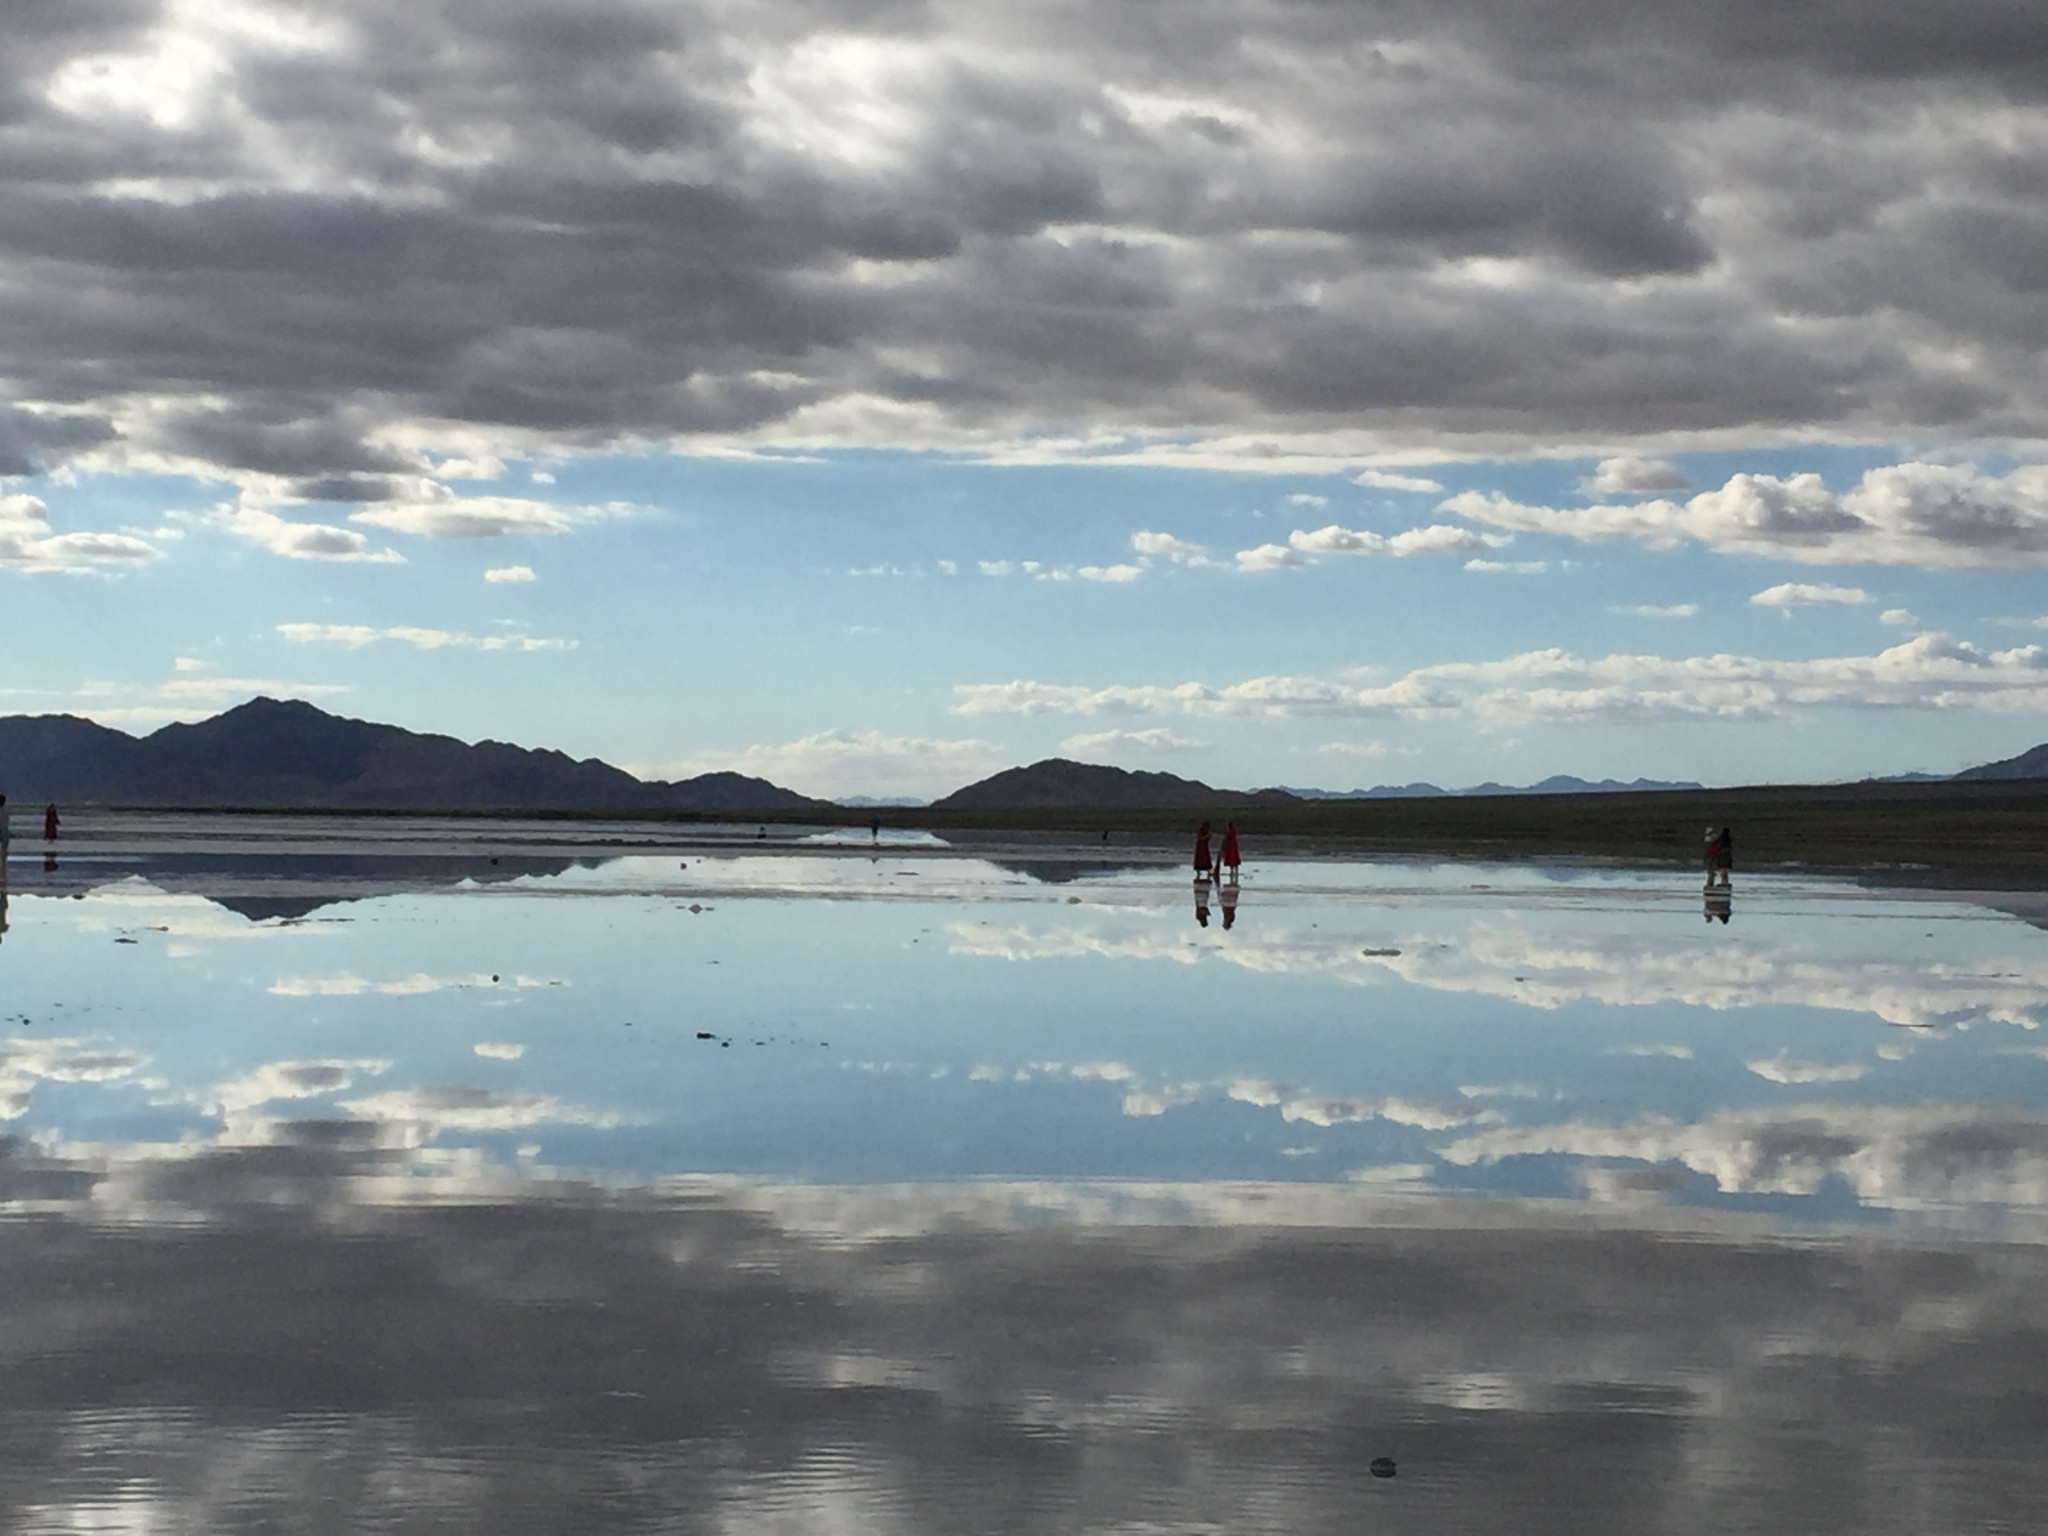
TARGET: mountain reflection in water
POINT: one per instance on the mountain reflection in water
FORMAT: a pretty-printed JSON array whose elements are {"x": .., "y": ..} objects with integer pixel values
[{"x": 883, "y": 1190}]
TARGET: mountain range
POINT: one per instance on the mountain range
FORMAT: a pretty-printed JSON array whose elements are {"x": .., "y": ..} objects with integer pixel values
[
  {"x": 286, "y": 754},
  {"x": 1556, "y": 784}
]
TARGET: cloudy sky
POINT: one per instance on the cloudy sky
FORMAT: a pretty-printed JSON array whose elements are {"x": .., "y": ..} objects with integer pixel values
[{"x": 874, "y": 394}]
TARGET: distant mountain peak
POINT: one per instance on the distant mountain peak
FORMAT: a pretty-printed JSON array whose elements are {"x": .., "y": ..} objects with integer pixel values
[
  {"x": 1062, "y": 782},
  {"x": 2030, "y": 764}
]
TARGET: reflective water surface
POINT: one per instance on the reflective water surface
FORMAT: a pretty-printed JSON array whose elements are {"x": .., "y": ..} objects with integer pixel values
[{"x": 489, "y": 1177}]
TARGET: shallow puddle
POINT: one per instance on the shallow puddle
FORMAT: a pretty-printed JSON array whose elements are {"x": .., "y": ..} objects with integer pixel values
[{"x": 477, "y": 1177}]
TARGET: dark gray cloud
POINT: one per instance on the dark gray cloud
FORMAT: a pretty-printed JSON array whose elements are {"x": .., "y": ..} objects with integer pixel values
[
  {"x": 292, "y": 243},
  {"x": 29, "y": 440}
]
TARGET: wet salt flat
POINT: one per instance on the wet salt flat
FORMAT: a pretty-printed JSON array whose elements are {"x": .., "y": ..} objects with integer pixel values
[{"x": 424, "y": 1176}]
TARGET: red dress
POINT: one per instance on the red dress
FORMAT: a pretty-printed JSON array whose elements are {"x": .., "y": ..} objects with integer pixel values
[
  {"x": 1202, "y": 852},
  {"x": 1230, "y": 858}
]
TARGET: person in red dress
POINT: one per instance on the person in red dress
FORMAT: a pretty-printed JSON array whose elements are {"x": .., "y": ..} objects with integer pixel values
[
  {"x": 1202, "y": 861},
  {"x": 50, "y": 825},
  {"x": 1230, "y": 859}
]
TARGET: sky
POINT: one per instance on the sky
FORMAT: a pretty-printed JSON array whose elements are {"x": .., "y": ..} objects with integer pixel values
[{"x": 873, "y": 395}]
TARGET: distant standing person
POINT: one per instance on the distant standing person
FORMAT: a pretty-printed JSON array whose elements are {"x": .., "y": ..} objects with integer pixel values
[
  {"x": 1724, "y": 854},
  {"x": 875, "y": 829},
  {"x": 1231, "y": 859},
  {"x": 1710, "y": 854},
  {"x": 1202, "y": 861},
  {"x": 50, "y": 824}
]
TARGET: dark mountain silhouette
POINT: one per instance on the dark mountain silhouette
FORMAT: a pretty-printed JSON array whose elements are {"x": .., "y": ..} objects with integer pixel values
[
  {"x": 1417, "y": 790},
  {"x": 2030, "y": 764},
  {"x": 1059, "y": 781},
  {"x": 1567, "y": 784},
  {"x": 1556, "y": 784},
  {"x": 288, "y": 754}
]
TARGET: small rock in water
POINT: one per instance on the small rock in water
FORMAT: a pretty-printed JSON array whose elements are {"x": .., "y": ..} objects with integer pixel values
[
  {"x": 1379, "y": 954},
  {"x": 1382, "y": 1466},
  {"x": 705, "y": 1034}
]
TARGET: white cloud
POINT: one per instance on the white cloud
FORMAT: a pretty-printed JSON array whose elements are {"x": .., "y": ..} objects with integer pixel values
[
  {"x": 1543, "y": 958},
  {"x": 1654, "y": 611},
  {"x": 1930, "y": 672},
  {"x": 835, "y": 763},
  {"x": 418, "y": 984},
  {"x": 480, "y": 466},
  {"x": 1782, "y": 1068},
  {"x": 510, "y": 573},
  {"x": 25, "y": 1062},
  {"x": 1933, "y": 516},
  {"x": 1364, "y": 749},
  {"x": 1799, "y": 594},
  {"x": 1038, "y": 570},
  {"x": 1509, "y": 567},
  {"x": 1105, "y": 743},
  {"x": 1619, "y": 476},
  {"x": 434, "y": 511},
  {"x": 1304, "y": 499},
  {"x": 1901, "y": 617},
  {"x": 499, "y": 1050},
  {"x": 415, "y": 1116},
  {"x": 1268, "y": 557},
  {"x": 250, "y": 519},
  {"x": 1387, "y": 480},
  {"x": 1165, "y": 546},
  {"x": 1920, "y": 1156},
  {"x": 27, "y": 542},
  {"x": 1437, "y": 539},
  {"x": 356, "y": 636},
  {"x": 305, "y": 1079},
  {"x": 1144, "y": 1099}
]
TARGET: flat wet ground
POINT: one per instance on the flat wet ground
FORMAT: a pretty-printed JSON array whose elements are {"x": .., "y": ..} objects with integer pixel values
[{"x": 491, "y": 1176}]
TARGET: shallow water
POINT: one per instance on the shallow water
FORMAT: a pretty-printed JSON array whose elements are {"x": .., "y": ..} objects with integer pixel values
[{"x": 474, "y": 1176}]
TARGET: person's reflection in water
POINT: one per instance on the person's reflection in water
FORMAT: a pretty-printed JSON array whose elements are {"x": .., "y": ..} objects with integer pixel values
[
  {"x": 50, "y": 862},
  {"x": 1229, "y": 891},
  {"x": 1720, "y": 902},
  {"x": 1202, "y": 900}
]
